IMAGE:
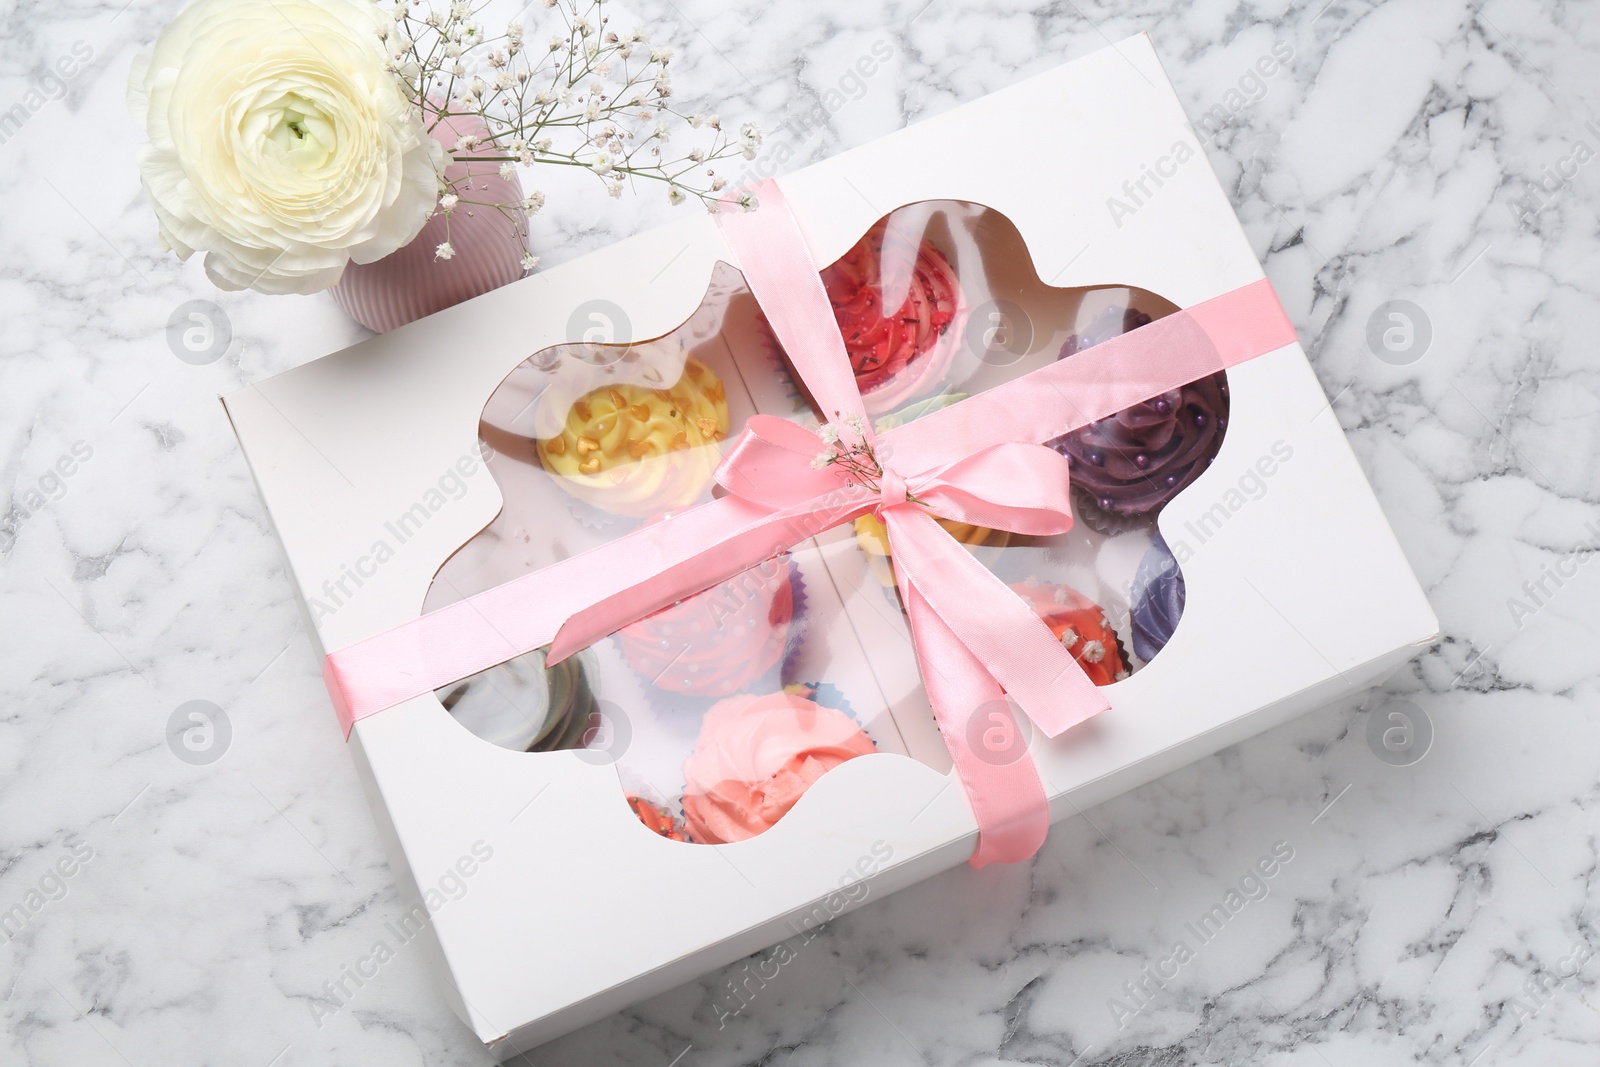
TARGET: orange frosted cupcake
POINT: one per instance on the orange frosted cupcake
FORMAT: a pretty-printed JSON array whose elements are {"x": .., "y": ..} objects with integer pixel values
[
  {"x": 656, "y": 819},
  {"x": 1081, "y": 625},
  {"x": 873, "y": 540}
]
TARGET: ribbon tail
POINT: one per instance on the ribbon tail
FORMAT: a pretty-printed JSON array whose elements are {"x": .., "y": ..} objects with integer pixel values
[
  {"x": 1003, "y": 633},
  {"x": 1001, "y": 781}
]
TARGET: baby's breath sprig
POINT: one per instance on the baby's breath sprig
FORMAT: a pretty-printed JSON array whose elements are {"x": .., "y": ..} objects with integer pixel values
[
  {"x": 592, "y": 98},
  {"x": 858, "y": 458}
]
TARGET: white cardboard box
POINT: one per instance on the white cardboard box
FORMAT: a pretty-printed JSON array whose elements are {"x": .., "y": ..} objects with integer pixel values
[{"x": 547, "y": 934}]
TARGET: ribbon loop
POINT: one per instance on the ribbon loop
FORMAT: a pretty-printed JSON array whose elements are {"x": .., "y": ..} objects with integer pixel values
[
  {"x": 771, "y": 464},
  {"x": 1023, "y": 488}
]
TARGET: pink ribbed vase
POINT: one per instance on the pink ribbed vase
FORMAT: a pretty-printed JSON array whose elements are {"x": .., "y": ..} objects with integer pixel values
[{"x": 412, "y": 282}]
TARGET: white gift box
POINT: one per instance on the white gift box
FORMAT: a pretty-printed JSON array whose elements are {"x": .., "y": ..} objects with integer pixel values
[{"x": 529, "y": 869}]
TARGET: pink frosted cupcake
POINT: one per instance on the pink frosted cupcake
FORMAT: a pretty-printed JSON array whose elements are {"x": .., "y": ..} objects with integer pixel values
[{"x": 754, "y": 759}]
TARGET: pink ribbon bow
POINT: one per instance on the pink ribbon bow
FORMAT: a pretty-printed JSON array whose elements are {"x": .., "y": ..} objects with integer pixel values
[
  {"x": 980, "y": 462},
  {"x": 976, "y": 640}
]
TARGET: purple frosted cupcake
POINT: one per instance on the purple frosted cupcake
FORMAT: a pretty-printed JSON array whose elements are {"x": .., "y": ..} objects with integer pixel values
[
  {"x": 1158, "y": 595},
  {"x": 1127, "y": 466}
]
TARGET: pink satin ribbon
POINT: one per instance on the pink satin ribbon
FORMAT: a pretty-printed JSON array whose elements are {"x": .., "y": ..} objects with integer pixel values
[{"x": 980, "y": 462}]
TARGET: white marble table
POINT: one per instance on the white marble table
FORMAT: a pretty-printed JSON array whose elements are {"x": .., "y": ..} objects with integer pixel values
[{"x": 1437, "y": 911}]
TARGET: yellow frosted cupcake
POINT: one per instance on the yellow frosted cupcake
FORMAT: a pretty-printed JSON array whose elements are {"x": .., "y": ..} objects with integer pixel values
[
  {"x": 874, "y": 541},
  {"x": 640, "y": 452}
]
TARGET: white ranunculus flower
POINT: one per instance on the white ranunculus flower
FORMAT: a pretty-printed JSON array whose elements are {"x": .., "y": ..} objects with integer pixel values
[{"x": 280, "y": 145}]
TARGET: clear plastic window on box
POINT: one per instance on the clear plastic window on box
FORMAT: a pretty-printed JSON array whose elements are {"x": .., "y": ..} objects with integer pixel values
[{"x": 721, "y": 710}]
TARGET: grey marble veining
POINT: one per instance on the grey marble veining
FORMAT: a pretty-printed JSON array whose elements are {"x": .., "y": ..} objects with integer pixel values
[{"x": 1438, "y": 911}]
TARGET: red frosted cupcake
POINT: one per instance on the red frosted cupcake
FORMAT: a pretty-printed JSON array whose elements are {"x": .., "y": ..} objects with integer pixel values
[
  {"x": 1081, "y": 625},
  {"x": 717, "y": 642},
  {"x": 895, "y": 317}
]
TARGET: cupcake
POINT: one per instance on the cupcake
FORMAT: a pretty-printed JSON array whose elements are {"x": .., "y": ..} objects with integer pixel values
[
  {"x": 1158, "y": 596},
  {"x": 873, "y": 539},
  {"x": 1114, "y": 321},
  {"x": 657, "y": 820},
  {"x": 1127, "y": 466},
  {"x": 524, "y": 705},
  {"x": 639, "y": 451},
  {"x": 1081, "y": 625},
  {"x": 756, "y": 756},
  {"x": 824, "y": 693},
  {"x": 901, "y": 350},
  {"x": 718, "y": 641}
]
